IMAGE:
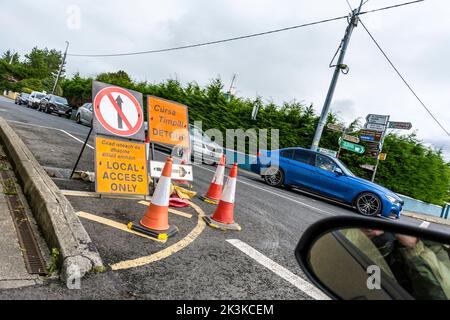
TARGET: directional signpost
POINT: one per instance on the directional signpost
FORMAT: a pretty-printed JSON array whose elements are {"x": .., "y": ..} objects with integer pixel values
[
  {"x": 350, "y": 138},
  {"x": 350, "y": 146},
  {"x": 375, "y": 127},
  {"x": 328, "y": 152},
  {"x": 377, "y": 119},
  {"x": 335, "y": 127},
  {"x": 400, "y": 125}
]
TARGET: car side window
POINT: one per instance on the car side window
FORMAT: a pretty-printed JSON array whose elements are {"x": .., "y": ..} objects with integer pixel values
[
  {"x": 325, "y": 163},
  {"x": 287, "y": 153},
  {"x": 304, "y": 156}
]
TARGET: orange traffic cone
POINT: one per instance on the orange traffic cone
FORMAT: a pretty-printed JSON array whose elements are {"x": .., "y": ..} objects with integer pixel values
[
  {"x": 155, "y": 222},
  {"x": 223, "y": 217},
  {"x": 215, "y": 189}
]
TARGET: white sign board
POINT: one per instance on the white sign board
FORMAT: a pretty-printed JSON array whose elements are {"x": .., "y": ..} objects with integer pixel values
[
  {"x": 328, "y": 152},
  {"x": 376, "y": 118},
  {"x": 374, "y": 126},
  {"x": 179, "y": 171}
]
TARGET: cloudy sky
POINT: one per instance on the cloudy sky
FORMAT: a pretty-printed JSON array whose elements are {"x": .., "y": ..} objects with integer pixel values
[{"x": 281, "y": 67}]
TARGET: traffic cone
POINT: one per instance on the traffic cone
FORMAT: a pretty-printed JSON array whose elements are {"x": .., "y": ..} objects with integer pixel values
[
  {"x": 155, "y": 222},
  {"x": 223, "y": 217},
  {"x": 215, "y": 189}
]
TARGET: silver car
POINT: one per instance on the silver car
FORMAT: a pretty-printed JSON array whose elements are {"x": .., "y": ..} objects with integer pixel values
[
  {"x": 85, "y": 114},
  {"x": 34, "y": 99},
  {"x": 203, "y": 147}
]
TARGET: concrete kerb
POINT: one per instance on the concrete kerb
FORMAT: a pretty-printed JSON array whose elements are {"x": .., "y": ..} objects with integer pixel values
[
  {"x": 425, "y": 217},
  {"x": 54, "y": 214}
]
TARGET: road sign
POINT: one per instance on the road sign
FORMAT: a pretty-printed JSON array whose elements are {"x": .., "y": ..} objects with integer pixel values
[
  {"x": 118, "y": 111},
  {"x": 370, "y": 135},
  {"x": 168, "y": 122},
  {"x": 120, "y": 167},
  {"x": 335, "y": 127},
  {"x": 367, "y": 167},
  {"x": 399, "y": 125},
  {"x": 328, "y": 152},
  {"x": 382, "y": 156},
  {"x": 375, "y": 127},
  {"x": 376, "y": 118},
  {"x": 351, "y": 146},
  {"x": 350, "y": 138},
  {"x": 179, "y": 172}
]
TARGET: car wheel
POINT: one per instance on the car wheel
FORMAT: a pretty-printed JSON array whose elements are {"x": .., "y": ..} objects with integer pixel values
[
  {"x": 368, "y": 204},
  {"x": 276, "y": 179},
  {"x": 47, "y": 110},
  {"x": 78, "y": 119}
]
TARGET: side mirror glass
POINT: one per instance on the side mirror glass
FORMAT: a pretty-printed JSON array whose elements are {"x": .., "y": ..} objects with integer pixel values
[
  {"x": 338, "y": 171},
  {"x": 370, "y": 259}
]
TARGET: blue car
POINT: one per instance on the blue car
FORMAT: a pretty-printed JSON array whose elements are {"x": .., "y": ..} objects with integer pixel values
[{"x": 326, "y": 176}]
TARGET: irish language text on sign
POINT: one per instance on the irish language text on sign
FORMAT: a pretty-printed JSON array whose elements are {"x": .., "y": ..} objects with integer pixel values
[
  {"x": 121, "y": 167},
  {"x": 168, "y": 122}
]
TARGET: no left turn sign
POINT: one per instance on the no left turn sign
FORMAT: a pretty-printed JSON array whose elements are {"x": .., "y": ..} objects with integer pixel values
[{"x": 118, "y": 112}]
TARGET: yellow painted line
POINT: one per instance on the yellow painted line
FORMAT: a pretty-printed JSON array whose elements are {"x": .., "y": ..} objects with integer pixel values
[
  {"x": 169, "y": 250},
  {"x": 180, "y": 213},
  {"x": 88, "y": 194},
  {"x": 113, "y": 224}
]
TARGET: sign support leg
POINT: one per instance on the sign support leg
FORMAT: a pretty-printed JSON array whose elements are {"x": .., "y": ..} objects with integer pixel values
[
  {"x": 152, "y": 150},
  {"x": 79, "y": 156}
]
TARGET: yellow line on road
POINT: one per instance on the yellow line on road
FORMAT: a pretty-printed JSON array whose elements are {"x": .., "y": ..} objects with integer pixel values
[
  {"x": 180, "y": 213},
  {"x": 113, "y": 224},
  {"x": 169, "y": 250}
]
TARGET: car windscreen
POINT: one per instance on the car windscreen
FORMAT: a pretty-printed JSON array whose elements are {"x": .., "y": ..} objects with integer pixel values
[
  {"x": 25, "y": 95},
  {"x": 59, "y": 100},
  {"x": 344, "y": 168},
  {"x": 39, "y": 96}
]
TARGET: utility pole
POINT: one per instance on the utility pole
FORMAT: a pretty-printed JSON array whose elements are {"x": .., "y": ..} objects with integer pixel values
[
  {"x": 60, "y": 68},
  {"x": 339, "y": 66},
  {"x": 231, "y": 87}
]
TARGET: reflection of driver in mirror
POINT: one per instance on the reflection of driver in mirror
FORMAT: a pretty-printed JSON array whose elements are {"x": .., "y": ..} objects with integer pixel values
[{"x": 421, "y": 267}]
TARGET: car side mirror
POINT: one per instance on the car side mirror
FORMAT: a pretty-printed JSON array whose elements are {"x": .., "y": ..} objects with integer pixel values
[
  {"x": 338, "y": 171},
  {"x": 360, "y": 258}
]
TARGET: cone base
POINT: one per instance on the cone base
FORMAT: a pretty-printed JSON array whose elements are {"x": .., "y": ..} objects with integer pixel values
[
  {"x": 158, "y": 234},
  {"x": 209, "y": 200},
  {"x": 222, "y": 226}
]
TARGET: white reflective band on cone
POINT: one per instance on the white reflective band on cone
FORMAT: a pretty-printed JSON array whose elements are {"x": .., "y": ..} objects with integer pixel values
[
  {"x": 218, "y": 177},
  {"x": 162, "y": 192},
  {"x": 229, "y": 190}
]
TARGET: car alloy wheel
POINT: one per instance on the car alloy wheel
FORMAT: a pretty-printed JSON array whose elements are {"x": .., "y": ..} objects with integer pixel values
[
  {"x": 275, "y": 179},
  {"x": 368, "y": 204}
]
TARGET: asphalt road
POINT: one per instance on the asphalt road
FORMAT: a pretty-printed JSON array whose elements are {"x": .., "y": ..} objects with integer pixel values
[{"x": 211, "y": 266}]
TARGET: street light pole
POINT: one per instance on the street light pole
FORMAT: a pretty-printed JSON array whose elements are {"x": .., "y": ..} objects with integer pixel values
[
  {"x": 60, "y": 68},
  {"x": 339, "y": 66}
]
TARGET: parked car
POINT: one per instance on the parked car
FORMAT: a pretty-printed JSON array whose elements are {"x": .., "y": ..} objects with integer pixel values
[
  {"x": 85, "y": 114},
  {"x": 357, "y": 258},
  {"x": 326, "y": 176},
  {"x": 35, "y": 99},
  {"x": 52, "y": 103},
  {"x": 202, "y": 147},
  {"x": 22, "y": 98}
]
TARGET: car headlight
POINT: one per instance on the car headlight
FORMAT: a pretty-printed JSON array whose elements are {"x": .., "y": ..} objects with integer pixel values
[{"x": 392, "y": 199}]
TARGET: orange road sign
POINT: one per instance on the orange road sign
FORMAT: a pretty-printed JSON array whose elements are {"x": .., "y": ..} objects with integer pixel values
[
  {"x": 120, "y": 167},
  {"x": 168, "y": 122}
]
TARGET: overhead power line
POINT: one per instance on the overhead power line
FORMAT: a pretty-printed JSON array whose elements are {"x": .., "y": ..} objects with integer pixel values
[
  {"x": 390, "y": 7},
  {"x": 403, "y": 79},
  {"x": 202, "y": 44}
]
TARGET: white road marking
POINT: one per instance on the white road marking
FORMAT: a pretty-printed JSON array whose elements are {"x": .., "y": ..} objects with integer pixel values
[
  {"x": 281, "y": 271},
  {"x": 424, "y": 225},
  {"x": 63, "y": 131}
]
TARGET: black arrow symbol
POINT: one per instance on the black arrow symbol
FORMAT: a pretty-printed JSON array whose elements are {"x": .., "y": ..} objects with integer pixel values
[{"x": 119, "y": 119}]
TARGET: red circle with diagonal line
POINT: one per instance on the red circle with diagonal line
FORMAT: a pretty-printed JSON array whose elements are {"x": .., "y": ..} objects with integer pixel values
[{"x": 105, "y": 105}]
